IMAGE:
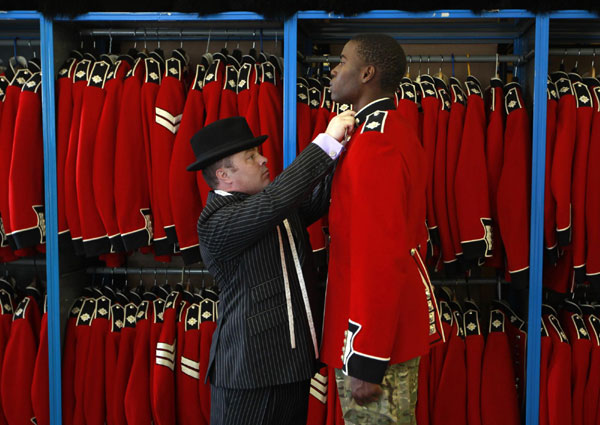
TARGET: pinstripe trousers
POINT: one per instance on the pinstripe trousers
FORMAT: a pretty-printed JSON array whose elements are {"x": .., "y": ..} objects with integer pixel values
[{"x": 278, "y": 405}]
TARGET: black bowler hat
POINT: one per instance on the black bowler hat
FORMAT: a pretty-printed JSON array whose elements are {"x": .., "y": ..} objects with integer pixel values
[{"x": 221, "y": 139}]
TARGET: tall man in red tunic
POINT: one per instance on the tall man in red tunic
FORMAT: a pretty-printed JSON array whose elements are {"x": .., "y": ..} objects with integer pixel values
[{"x": 380, "y": 313}]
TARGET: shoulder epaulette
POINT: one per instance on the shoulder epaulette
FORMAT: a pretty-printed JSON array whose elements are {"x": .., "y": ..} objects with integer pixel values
[
  {"x": 76, "y": 308},
  {"x": 408, "y": 91},
  {"x": 192, "y": 321},
  {"x": 103, "y": 308},
  {"x": 87, "y": 312},
  {"x": 596, "y": 91},
  {"x": 326, "y": 100},
  {"x": 375, "y": 122},
  {"x": 443, "y": 94},
  {"x": 458, "y": 95},
  {"x": 563, "y": 85},
  {"x": 152, "y": 70},
  {"x": 212, "y": 73},
  {"x": 301, "y": 91},
  {"x": 314, "y": 95},
  {"x": 268, "y": 74},
  {"x": 5, "y": 302},
  {"x": 471, "y": 322},
  {"x": 142, "y": 311},
  {"x": 244, "y": 76},
  {"x": 99, "y": 73},
  {"x": 231, "y": 78},
  {"x": 118, "y": 318},
  {"x": 551, "y": 90},
  {"x": 595, "y": 328},
  {"x": 582, "y": 95},
  {"x": 21, "y": 309},
  {"x": 445, "y": 312},
  {"x": 21, "y": 77},
  {"x": 159, "y": 308},
  {"x": 582, "y": 332},
  {"x": 173, "y": 68},
  {"x": 496, "y": 321},
  {"x": 130, "y": 315},
  {"x": 512, "y": 100},
  {"x": 208, "y": 310},
  {"x": 558, "y": 328},
  {"x": 427, "y": 86},
  {"x": 198, "y": 77},
  {"x": 473, "y": 86},
  {"x": 66, "y": 71},
  {"x": 82, "y": 70}
]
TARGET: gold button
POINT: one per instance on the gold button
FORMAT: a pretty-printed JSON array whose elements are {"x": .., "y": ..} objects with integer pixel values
[
  {"x": 357, "y": 121},
  {"x": 346, "y": 332},
  {"x": 413, "y": 252},
  {"x": 342, "y": 357}
]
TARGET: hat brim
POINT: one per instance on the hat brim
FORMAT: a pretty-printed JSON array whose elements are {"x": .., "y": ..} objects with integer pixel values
[{"x": 223, "y": 151}]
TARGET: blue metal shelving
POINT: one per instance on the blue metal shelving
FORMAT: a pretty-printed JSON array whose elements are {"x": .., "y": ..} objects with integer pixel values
[{"x": 542, "y": 30}]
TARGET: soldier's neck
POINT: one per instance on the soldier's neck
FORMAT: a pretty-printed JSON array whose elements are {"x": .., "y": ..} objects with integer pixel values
[{"x": 366, "y": 98}]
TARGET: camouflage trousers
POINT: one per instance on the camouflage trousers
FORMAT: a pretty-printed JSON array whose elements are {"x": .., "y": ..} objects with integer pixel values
[{"x": 395, "y": 406}]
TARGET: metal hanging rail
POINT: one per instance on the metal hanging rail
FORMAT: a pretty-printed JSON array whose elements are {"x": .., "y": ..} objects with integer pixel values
[
  {"x": 574, "y": 51},
  {"x": 154, "y": 34},
  {"x": 424, "y": 59}
]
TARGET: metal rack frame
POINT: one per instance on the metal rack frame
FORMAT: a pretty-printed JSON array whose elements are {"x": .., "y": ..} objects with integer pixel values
[{"x": 290, "y": 40}]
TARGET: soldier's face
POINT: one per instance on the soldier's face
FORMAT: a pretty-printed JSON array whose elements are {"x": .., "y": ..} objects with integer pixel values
[
  {"x": 346, "y": 76},
  {"x": 250, "y": 173}
]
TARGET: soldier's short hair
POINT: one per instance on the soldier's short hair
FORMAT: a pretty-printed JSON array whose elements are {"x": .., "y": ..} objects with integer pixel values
[
  {"x": 386, "y": 54},
  {"x": 210, "y": 172}
]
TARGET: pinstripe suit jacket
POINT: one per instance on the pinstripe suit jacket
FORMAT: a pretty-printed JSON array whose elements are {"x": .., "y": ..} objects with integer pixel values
[{"x": 240, "y": 247}]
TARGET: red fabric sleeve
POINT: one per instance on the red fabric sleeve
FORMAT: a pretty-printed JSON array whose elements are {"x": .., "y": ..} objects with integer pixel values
[
  {"x": 188, "y": 399},
  {"x": 303, "y": 118},
  {"x": 243, "y": 94},
  {"x": 26, "y": 179},
  {"x": 559, "y": 374},
  {"x": 131, "y": 189},
  {"x": 455, "y": 129},
  {"x": 94, "y": 401},
  {"x": 252, "y": 113},
  {"x": 64, "y": 111},
  {"x": 123, "y": 366},
  {"x": 6, "y": 314},
  {"x": 322, "y": 116},
  {"x": 169, "y": 105},
  {"x": 83, "y": 331},
  {"x": 592, "y": 386},
  {"x": 270, "y": 102},
  {"x": 103, "y": 174},
  {"x": 431, "y": 109},
  {"x": 80, "y": 77},
  {"x": 592, "y": 201},
  {"x": 68, "y": 360},
  {"x": 40, "y": 387},
  {"x": 450, "y": 402},
  {"x": 95, "y": 238},
  {"x": 137, "y": 394},
  {"x": 494, "y": 155},
  {"x": 186, "y": 201},
  {"x": 19, "y": 363},
  {"x": 583, "y": 100},
  {"x": 515, "y": 186},
  {"x": 499, "y": 404},
  {"x": 574, "y": 325},
  {"x": 155, "y": 329},
  {"x": 163, "y": 385},
  {"x": 545, "y": 352},
  {"x": 111, "y": 357},
  {"x": 7, "y": 132},
  {"x": 471, "y": 183},
  {"x": 551, "y": 242},
  {"x": 437, "y": 353},
  {"x": 439, "y": 178},
  {"x": 407, "y": 106},
  {"x": 562, "y": 161}
]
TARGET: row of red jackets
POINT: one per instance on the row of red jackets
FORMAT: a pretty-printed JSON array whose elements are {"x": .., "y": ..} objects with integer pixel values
[
  {"x": 477, "y": 202},
  {"x": 123, "y": 144},
  {"x": 571, "y": 199},
  {"x": 24, "y": 358},
  {"x": 478, "y": 149},
  {"x": 468, "y": 379},
  {"x": 22, "y": 225},
  {"x": 138, "y": 360}
]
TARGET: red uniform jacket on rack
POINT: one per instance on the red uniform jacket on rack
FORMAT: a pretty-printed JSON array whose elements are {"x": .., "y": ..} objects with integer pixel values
[
  {"x": 474, "y": 346},
  {"x": 228, "y": 103},
  {"x": 117, "y": 320},
  {"x": 40, "y": 387},
  {"x": 592, "y": 388},
  {"x": 6, "y": 315},
  {"x": 186, "y": 199},
  {"x": 124, "y": 362},
  {"x": 131, "y": 191},
  {"x": 105, "y": 150},
  {"x": 471, "y": 183},
  {"x": 270, "y": 100},
  {"x": 592, "y": 200},
  {"x": 69, "y": 356},
  {"x": 551, "y": 242},
  {"x": 562, "y": 161},
  {"x": 208, "y": 324}
]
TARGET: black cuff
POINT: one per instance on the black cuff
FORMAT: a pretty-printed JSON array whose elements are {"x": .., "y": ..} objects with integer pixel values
[
  {"x": 520, "y": 279},
  {"x": 358, "y": 365},
  {"x": 580, "y": 276},
  {"x": 162, "y": 247},
  {"x": 191, "y": 255},
  {"x": 96, "y": 247},
  {"x": 28, "y": 238},
  {"x": 116, "y": 243},
  {"x": 475, "y": 249},
  {"x": 171, "y": 234},
  {"x": 564, "y": 236},
  {"x": 137, "y": 239}
]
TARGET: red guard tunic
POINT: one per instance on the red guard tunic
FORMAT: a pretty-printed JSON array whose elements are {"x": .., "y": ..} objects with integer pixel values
[
  {"x": 592, "y": 387},
  {"x": 6, "y": 315},
  {"x": 585, "y": 111},
  {"x": 208, "y": 324},
  {"x": 117, "y": 319},
  {"x": 213, "y": 87},
  {"x": 186, "y": 199},
  {"x": 562, "y": 161},
  {"x": 270, "y": 100},
  {"x": 471, "y": 183},
  {"x": 592, "y": 201},
  {"x": 551, "y": 242},
  {"x": 474, "y": 346},
  {"x": 514, "y": 186},
  {"x": 494, "y": 154},
  {"x": 395, "y": 320},
  {"x": 40, "y": 387},
  {"x": 132, "y": 197},
  {"x": 104, "y": 152},
  {"x": 455, "y": 129}
]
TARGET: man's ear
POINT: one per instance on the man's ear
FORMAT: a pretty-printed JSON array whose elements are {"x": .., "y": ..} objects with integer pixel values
[
  {"x": 368, "y": 73},
  {"x": 223, "y": 175}
]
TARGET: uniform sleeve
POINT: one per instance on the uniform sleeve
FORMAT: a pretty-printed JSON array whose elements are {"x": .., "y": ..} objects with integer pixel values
[
  {"x": 550, "y": 241},
  {"x": 26, "y": 180},
  {"x": 208, "y": 313},
  {"x": 40, "y": 387},
  {"x": 237, "y": 225},
  {"x": 213, "y": 85},
  {"x": 514, "y": 187},
  {"x": 186, "y": 203},
  {"x": 228, "y": 105},
  {"x": 562, "y": 162},
  {"x": 373, "y": 317}
]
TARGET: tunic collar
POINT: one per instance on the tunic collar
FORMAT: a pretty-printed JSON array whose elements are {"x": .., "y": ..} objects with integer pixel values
[{"x": 383, "y": 104}]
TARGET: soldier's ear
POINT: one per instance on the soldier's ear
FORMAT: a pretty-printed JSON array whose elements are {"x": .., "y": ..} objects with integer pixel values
[
  {"x": 368, "y": 73},
  {"x": 223, "y": 175}
]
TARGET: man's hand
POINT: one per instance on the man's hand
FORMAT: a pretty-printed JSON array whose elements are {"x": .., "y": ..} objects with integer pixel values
[
  {"x": 364, "y": 392},
  {"x": 341, "y": 126}
]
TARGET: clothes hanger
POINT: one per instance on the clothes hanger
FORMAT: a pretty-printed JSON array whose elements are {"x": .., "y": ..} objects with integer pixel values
[
  {"x": 576, "y": 67},
  {"x": 593, "y": 67},
  {"x": 562, "y": 62},
  {"x": 408, "y": 67},
  {"x": 468, "y": 65},
  {"x": 453, "y": 61}
]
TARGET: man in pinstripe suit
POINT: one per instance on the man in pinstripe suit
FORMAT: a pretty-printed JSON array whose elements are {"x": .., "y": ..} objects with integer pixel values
[{"x": 254, "y": 242}]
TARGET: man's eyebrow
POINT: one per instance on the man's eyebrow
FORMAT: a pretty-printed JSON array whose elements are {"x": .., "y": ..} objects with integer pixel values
[{"x": 343, "y": 56}]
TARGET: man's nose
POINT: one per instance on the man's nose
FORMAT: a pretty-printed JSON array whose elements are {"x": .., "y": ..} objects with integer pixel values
[{"x": 262, "y": 160}]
